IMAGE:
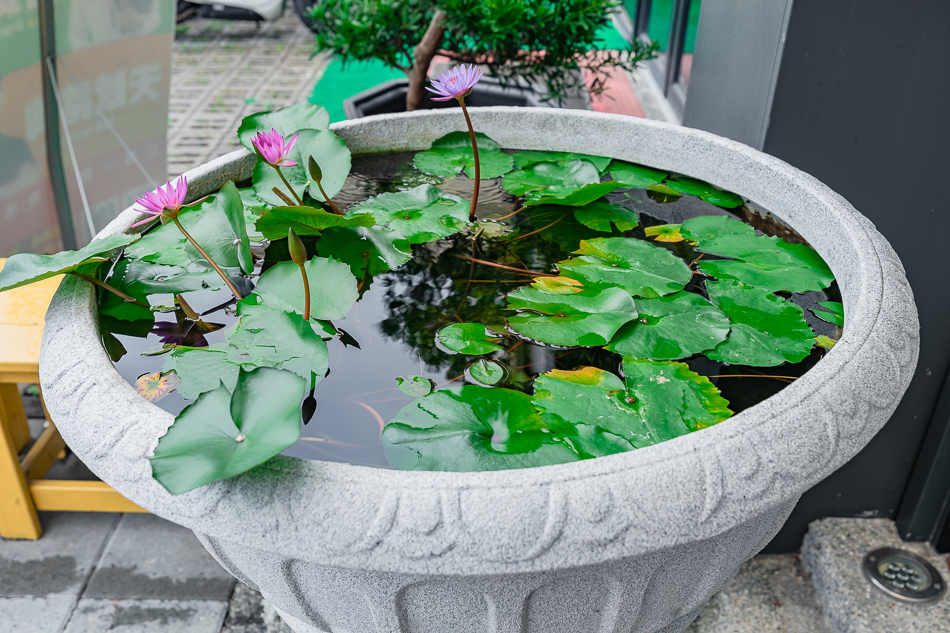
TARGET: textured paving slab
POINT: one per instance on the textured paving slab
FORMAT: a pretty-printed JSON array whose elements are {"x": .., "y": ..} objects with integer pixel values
[
  {"x": 34, "y": 615},
  {"x": 249, "y": 612},
  {"x": 149, "y": 557},
  {"x": 833, "y": 552},
  {"x": 770, "y": 594},
  {"x": 147, "y": 616},
  {"x": 222, "y": 71},
  {"x": 59, "y": 563}
]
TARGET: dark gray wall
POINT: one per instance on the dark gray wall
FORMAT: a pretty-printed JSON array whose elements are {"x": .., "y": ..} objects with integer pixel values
[{"x": 862, "y": 102}]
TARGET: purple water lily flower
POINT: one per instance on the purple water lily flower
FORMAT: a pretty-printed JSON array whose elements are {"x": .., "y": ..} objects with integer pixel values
[
  {"x": 162, "y": 201},
  {"x": 455, "y": 83},
  {"x": 273, "y": 148}
]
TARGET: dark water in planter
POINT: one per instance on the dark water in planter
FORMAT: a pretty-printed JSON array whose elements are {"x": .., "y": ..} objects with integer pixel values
[{"x": 395, "y": 321}]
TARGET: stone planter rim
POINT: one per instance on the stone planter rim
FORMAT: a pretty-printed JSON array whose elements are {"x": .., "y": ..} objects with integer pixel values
[{"x": 690, "y": 488}]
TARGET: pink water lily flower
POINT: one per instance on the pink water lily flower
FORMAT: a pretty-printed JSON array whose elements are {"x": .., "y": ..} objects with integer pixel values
[
  {"x": 273, "y": 148},
  {"x": 455, "y": 83},
  {"x": 163, "y": 201}
]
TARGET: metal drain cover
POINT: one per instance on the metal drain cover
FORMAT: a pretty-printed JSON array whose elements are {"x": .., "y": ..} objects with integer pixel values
[{"x": 903, "y": 576}]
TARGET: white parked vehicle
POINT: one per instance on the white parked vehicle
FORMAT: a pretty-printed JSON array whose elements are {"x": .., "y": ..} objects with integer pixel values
[{"x": 254, "y": 10}]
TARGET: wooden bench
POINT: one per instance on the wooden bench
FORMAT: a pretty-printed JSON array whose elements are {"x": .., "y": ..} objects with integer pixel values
[{"x": 23, "y": 490}]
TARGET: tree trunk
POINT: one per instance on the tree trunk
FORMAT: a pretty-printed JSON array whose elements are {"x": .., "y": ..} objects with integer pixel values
[{"x": 421, "y": 58}]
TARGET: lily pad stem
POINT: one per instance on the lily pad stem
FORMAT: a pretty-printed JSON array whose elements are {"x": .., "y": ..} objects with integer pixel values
[
  {"x": 478, "y": 174},
  {"x": 283, "y": 196},
  {"x": 292, "y": 192},
  {"x": 306, "y": 293},
  {"x": 522, "y": 271},
  {"x": 217, "y": 269},
  {"x": 106, "y": 286},
  {"x": 335, "y": 208}
]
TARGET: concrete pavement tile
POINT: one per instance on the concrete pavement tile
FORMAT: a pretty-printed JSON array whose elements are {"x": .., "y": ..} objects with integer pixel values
[
  {"x": 149, "y": 557},
  {"x": 34, "y": 615},
  {"x": 59, "y": 563},
  {"x": 770, "y": 594},
  {"x": 147, "y": 616},
  {"x": 249, "y": 612}
]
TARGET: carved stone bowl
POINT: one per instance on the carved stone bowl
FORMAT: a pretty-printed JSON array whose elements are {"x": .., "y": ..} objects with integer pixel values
[{"x": 634, "y": 542}]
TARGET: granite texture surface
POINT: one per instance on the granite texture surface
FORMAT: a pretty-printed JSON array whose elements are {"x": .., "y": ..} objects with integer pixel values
[{"x": 650, "y": 534}]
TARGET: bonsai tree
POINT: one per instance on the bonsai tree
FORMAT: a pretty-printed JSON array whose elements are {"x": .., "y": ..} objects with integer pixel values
[{"x": 543, "y": 41}]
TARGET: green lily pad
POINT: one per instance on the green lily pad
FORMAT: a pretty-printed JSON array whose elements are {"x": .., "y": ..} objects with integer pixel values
[
  {"x": 690, "y": 186},
  {"x": 769, "y": 262},
  {"x": 598, "y": 215},
  {"x": 559, "y": 226},
  {"x": 325, "y": 147},
  {"x": 557, "y": 285},
  {"x": 724, "y": 199},
  {"x": 452, "y": 154},
  {"x": 273, "y": 224},
  {"x": 526, "y": 158},
  {"x": 27, "y": 268},
  {"x": 835, "y": 314},
  {"x": 635, "y": 176},
  {"x": 223, "y": 434},
  {"x": 140, "y": 280},
  {"x": 254, "y": 304},
  {"x": 664, "y": 233},
  {"x": 577, "y": 198},
  {"x": 588, "y": 318},
  {"x": 472, "y": 339},
  {"x": 640, "y": 268},
  {"x": 368, "y": 251},
  {"x": 422, "y": 214},
  {"x": 591, "y": 396},
  {"x": 486, "y": 372},
  {"x": 287, "y": 121},
  {"x": 824, "y": 342},
  {"x": 332, "y": 288},
  {"x": 551, "y": 179},
  {"x": 663, "y": 193},
  {"x": 415, "y": 386},
  {"x": 672, "y": 399},
  {"x": 472, "y": 429},
  {"x": 672, "y": 327},
  {"x": 270, "y": 338},
  {"x": 766, "y": 330},
  {"x": 213, "y": 223}
]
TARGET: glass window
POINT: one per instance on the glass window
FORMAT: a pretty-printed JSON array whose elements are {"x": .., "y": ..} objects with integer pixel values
[
  {"x": 658, "y": 24},
  {"x": 689, "y": 43}
]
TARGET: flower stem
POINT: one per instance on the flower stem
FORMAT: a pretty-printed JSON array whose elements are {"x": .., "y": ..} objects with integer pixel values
[
  {"x": 478, "y": 173},
  {"x": 106, "y": 286},
  {"x": 335, "y": 208},
  {"x": 292, "y": 192},
  {"x": 283, "y": 196},
  {"x": 217, "y": 269},
  {"x": 306, "y": 293}
]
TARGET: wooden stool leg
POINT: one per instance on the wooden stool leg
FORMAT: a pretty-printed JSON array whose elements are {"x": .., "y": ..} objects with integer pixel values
[
  {"x": 13, "y": 415},
  {"x": 17, "y": 514}
]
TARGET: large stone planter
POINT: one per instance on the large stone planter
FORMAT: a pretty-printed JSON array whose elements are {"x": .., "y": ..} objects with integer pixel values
[{"x": 635, "y": 542}]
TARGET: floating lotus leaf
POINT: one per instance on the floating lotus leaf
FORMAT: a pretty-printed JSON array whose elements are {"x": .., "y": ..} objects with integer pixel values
[
  {"x": 332, "y": 288},
  {"x": 591, "y": 396},
  {"x": 486, "y": 372},
  {"x": 835, "y": 314},
  {"x": 140, "y": 280},
  {"x": 325, "y": 147},
  {"x": 557, "y": 285},
  {"x": 551, "y": 179},
  {"x": 269, "y": 338},
  {"x": 472, "y": 339},
  {"x": 588, "y": 318},
  {"x": 217, "y": 224},
  {"x": 526, "y": 158},
  {"x": 664, "y": 233},
  {"x": 672, "y": 399},
  {"x": 471, "y": 429},
  {"x": 452, "y": 154},
  {"x": 600, "y": 214},
  {"x": 766, "y": 330},
  {"x": 273, "y": 224},
  {"x": 635, "y": 176},
  {"x": 223, "y": 434},
  {"x": 415, "y": 386},
  {"x": 287, "y": 121},
  {"x": 663, "y": 193},
  {"x": 672, "y": 327},
  {"x": 423, "y": 214},
  {"x": 690, "y": 186},
  {"x": 724, "y": 199},
  {"x": 368, "y": 251},
  {"x": 640, "y": 268},
  {"x": 154, "y": 387},
  {"x": 824, "y": 342},
  {"x": 254, "y": 304},
  {"x": 26, "y": 268},
  {"x": 558, "y": 224},
  {"x": 769, "y": 262},
  {"x": 577, "y": 198}
]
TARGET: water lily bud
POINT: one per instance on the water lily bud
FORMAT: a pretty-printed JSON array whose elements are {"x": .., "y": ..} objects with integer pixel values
[
  {"x": 315, "y": 172},
  {"x": 298, "y": 252}
]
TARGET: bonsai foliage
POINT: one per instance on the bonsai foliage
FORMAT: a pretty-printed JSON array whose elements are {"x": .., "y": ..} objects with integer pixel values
[
  {"x": 627, "y": 314},
  {"x": 540, "y": 41}
]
